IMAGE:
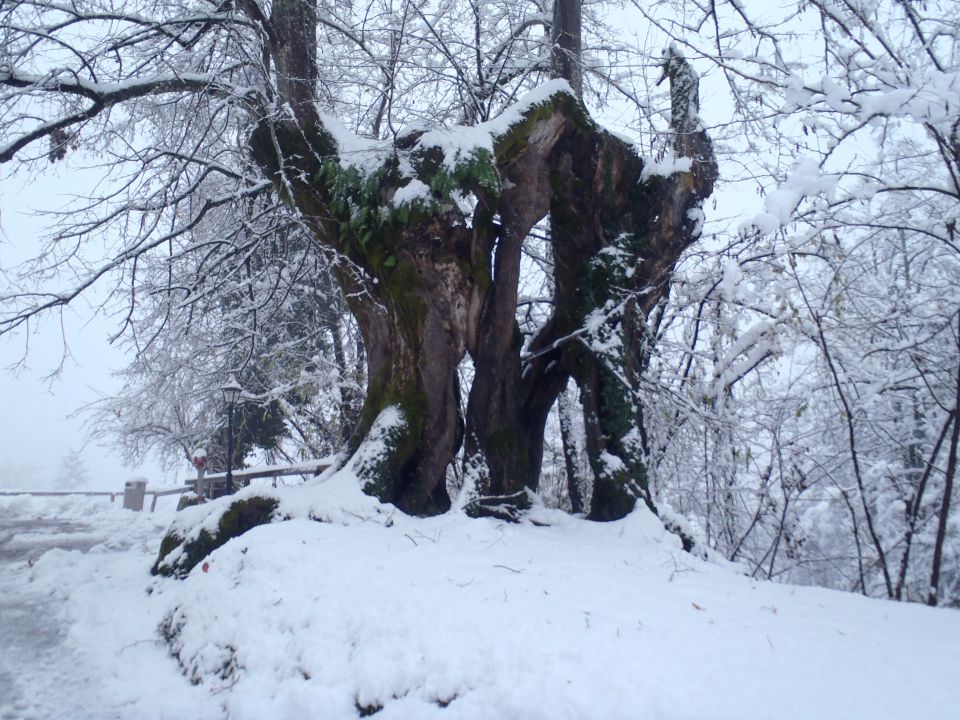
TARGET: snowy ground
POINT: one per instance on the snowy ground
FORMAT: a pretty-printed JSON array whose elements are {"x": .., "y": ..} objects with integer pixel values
[{"x": 448, "y": 618}]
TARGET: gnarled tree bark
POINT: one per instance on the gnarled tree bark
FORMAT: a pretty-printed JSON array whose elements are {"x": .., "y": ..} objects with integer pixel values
[{"x": 429, "y": 282}]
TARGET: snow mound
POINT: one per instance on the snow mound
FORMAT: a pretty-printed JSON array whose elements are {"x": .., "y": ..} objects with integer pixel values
[
  {"x": 552, "y": 618},
  {"x": 200, "y": 529},
  {"x": 371, "y": 612}
]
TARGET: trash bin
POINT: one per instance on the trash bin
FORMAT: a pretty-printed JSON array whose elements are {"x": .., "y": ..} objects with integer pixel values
[{"x": 134, "y": 491}]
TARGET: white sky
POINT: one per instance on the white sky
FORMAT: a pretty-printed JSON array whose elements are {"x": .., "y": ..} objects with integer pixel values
[{"x": 36, "y": 427}]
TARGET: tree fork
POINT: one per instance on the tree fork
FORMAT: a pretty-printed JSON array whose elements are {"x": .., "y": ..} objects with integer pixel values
[{"x": 425, "y": 288}]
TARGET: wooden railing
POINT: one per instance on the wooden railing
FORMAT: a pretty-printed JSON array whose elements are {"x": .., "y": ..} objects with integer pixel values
[
  {"x": 95, "y": 493},
  {"x": 160, "y": 493},
  {"x": 55, "y": 493},
  {"x": 242, "y": 477},
  {"x": 313, "y": 467}
]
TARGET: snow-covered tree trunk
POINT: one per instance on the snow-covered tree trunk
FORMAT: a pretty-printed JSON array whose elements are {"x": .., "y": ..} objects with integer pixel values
[
  {"x": 426, "y": 286},
  {"x": 414, "y": 320}
]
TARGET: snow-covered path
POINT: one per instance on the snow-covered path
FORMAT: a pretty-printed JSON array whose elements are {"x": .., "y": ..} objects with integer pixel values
[
  {"x": 72, "y": 577},
  {"x": 32, "y": 629}
]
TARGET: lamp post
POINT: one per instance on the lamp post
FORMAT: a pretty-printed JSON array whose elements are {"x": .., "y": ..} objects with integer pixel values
[{"x": 231, "y": 393}]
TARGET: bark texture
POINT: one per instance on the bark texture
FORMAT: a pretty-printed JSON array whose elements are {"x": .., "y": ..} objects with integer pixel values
[{"x": 566, "y": 37}]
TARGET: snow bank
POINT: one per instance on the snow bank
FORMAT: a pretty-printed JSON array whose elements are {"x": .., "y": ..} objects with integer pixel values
[{"x": 374, "y": 611}]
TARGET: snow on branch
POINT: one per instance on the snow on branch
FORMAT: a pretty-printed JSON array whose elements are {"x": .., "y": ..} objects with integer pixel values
[{"x": 103, "y": 96}]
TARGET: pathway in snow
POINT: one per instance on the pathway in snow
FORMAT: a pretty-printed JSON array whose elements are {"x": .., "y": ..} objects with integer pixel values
[{"x": 32, "y": 626}]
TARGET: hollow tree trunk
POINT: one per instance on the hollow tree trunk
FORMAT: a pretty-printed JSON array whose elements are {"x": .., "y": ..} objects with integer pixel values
[{"x": 429, "y": 281}]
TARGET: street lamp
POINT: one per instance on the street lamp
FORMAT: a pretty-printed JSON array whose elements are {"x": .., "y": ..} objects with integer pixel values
[{"x": 231, "y": 393}]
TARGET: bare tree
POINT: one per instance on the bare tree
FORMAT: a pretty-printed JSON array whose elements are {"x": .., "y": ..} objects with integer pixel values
[{"x": 810, "y": 363}]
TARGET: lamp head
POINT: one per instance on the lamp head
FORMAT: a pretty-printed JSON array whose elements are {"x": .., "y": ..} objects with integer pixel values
[{"x": 231, "y": 391}]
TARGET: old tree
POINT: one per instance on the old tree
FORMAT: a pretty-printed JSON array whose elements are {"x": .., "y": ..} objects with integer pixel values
[{"x": 422, "y": 229}]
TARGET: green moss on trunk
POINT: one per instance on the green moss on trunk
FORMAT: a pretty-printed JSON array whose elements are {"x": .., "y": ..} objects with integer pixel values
[{"x": 240, "y": 516}]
